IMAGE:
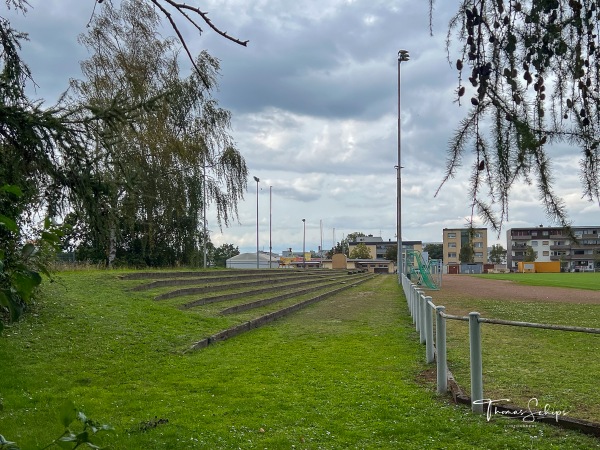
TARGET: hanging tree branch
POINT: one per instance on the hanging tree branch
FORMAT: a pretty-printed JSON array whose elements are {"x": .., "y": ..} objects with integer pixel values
[
  {"x": 535, "y": 65},
  {"x": 191, "y": 14},
  {"x": 195, "y": 17}
]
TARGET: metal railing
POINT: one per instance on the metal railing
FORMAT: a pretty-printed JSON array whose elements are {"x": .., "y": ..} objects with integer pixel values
[{"x": 422, "y": 309}]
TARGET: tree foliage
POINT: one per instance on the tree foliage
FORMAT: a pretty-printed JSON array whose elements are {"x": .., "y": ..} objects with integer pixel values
[
  {"x": 361, "y": 251},
  {"x": 342, "y": 246},
  {"x": 391, "y": 252},
  {"x": 466, "y": 254},
  {"x": 435, "y": 251},
  {"x": 163, "y": 169},
  {"x": 530, "y": 71},
  {"x": 222, "y": 253},
  {"x": 44, "y": 166},
  {"x": 352, "y": 237},
  {"x": 530, "y": 254},
  {"x": 59, "y": 159},
  {"x": 497, "y": 254}
]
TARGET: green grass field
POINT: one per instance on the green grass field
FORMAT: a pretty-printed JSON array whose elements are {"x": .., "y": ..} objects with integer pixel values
[
  {"x": 340, "y": 374},
  {"x": 555, "y": 367},
  {"x": 586, "y": 280}
]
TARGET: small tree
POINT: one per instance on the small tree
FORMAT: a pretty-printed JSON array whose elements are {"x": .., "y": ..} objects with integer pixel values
[
  {"x": 223, "y": 253},
  {"x": 391, "y": 253},
  {"x": 530, "y": 254},
  {"x": 467, "y": 254},
  {"x": 352, "y": 237},
  {"x": 435, "y": 251},
  {"x": 497, "y": 254},
  {"x": 361, "y": 251},
  {"x": 340, "y": 247}
]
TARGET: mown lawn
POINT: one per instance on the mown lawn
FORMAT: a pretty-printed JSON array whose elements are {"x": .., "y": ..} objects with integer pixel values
[
  {"x": 520, "y": 364},
  {"x": 339, "y": 374},
  {"x": 585, "y": 280}
]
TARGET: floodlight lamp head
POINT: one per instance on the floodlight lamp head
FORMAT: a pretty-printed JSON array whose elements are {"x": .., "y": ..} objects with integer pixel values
[
  {"x": 256, "y": 179},
  {"x": 403, "y": 55}
]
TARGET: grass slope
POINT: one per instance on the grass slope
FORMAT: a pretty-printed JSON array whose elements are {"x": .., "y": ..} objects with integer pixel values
[{"x": 340, "y": 374}]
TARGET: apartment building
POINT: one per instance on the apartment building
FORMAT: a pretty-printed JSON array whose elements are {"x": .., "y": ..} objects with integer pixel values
[
  {"x": 455, "y": 238},
  {"x": 580, "y": 252}
]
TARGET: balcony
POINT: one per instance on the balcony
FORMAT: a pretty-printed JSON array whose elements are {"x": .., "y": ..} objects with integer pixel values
[{"x": 520, "y": 238}]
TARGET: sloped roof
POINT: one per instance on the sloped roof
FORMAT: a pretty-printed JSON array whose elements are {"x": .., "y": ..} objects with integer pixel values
[{"x": 251, "y": 257}]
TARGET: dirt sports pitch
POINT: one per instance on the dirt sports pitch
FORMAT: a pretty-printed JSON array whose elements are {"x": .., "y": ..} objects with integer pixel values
[{"x": 466, "y": 286}]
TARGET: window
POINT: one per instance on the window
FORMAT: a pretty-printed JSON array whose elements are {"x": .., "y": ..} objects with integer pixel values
[
  {"x": 534, "y": 243},
  {"x": 451, "y": 235},
  {"x": 478, "y": 235},
  {"x": 478, "y": 255},
  {"x": 478, "y": 244},
  {"x": 545, "y": 242},
  {"x": 452, "y": 244},
  {"x": 452, "y": 255},
  {"x": 534, "y": 233},
  {"x": 546, "y": 253}
]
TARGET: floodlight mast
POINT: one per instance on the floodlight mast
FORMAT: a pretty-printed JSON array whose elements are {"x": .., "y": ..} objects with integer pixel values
[
  {"x": 403, "y": 56},
  {"x": 257, "y": 260}
]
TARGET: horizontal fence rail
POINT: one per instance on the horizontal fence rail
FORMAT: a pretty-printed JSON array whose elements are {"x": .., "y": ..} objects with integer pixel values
[{"x": 423, "y": 309}]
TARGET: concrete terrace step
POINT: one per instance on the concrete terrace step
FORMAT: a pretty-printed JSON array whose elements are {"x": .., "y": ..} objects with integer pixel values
[
  {"x": 270, "y": 317},
  {"x": 222, "y": 278},
  {"x": 249, "y": 293},
  {"x": 207, "y": 273},
  {"x": 277, "y": 280}
]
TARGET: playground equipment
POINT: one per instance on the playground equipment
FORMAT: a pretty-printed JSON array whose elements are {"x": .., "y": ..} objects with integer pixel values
[{"x": 424, "y": 273}]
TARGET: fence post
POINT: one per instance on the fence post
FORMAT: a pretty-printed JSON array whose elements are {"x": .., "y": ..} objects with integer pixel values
[
  {"x": 413, "y": 295},
  {"x": 440, "y": 341},
  {"x": 422, "y": 317},
  {"x": 411, "y": 300},
  {"x": 476, "y": 362},
  {"x": 417, "y": 309},
  {"x": 429, "y": 356}
]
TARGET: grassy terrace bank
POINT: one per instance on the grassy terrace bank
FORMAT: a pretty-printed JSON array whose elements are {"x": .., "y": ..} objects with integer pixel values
[{"x": 340, "y": 374}]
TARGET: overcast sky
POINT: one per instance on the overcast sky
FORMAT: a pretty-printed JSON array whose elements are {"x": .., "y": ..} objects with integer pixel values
[{"x": 314, "y": 103}]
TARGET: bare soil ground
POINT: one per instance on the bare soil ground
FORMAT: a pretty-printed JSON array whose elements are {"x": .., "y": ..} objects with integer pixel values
[{"x": 467, "y": 286}]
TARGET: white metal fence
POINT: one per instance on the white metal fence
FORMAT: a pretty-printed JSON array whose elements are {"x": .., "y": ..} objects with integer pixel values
[{"x": 423, "y": 310}]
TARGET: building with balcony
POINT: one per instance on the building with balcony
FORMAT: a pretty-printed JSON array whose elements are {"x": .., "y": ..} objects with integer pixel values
[{"x": 577, "y": 252}]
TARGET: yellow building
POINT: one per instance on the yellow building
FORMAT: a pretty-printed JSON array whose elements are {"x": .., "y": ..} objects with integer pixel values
[{"x": 455, "y": 238}]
